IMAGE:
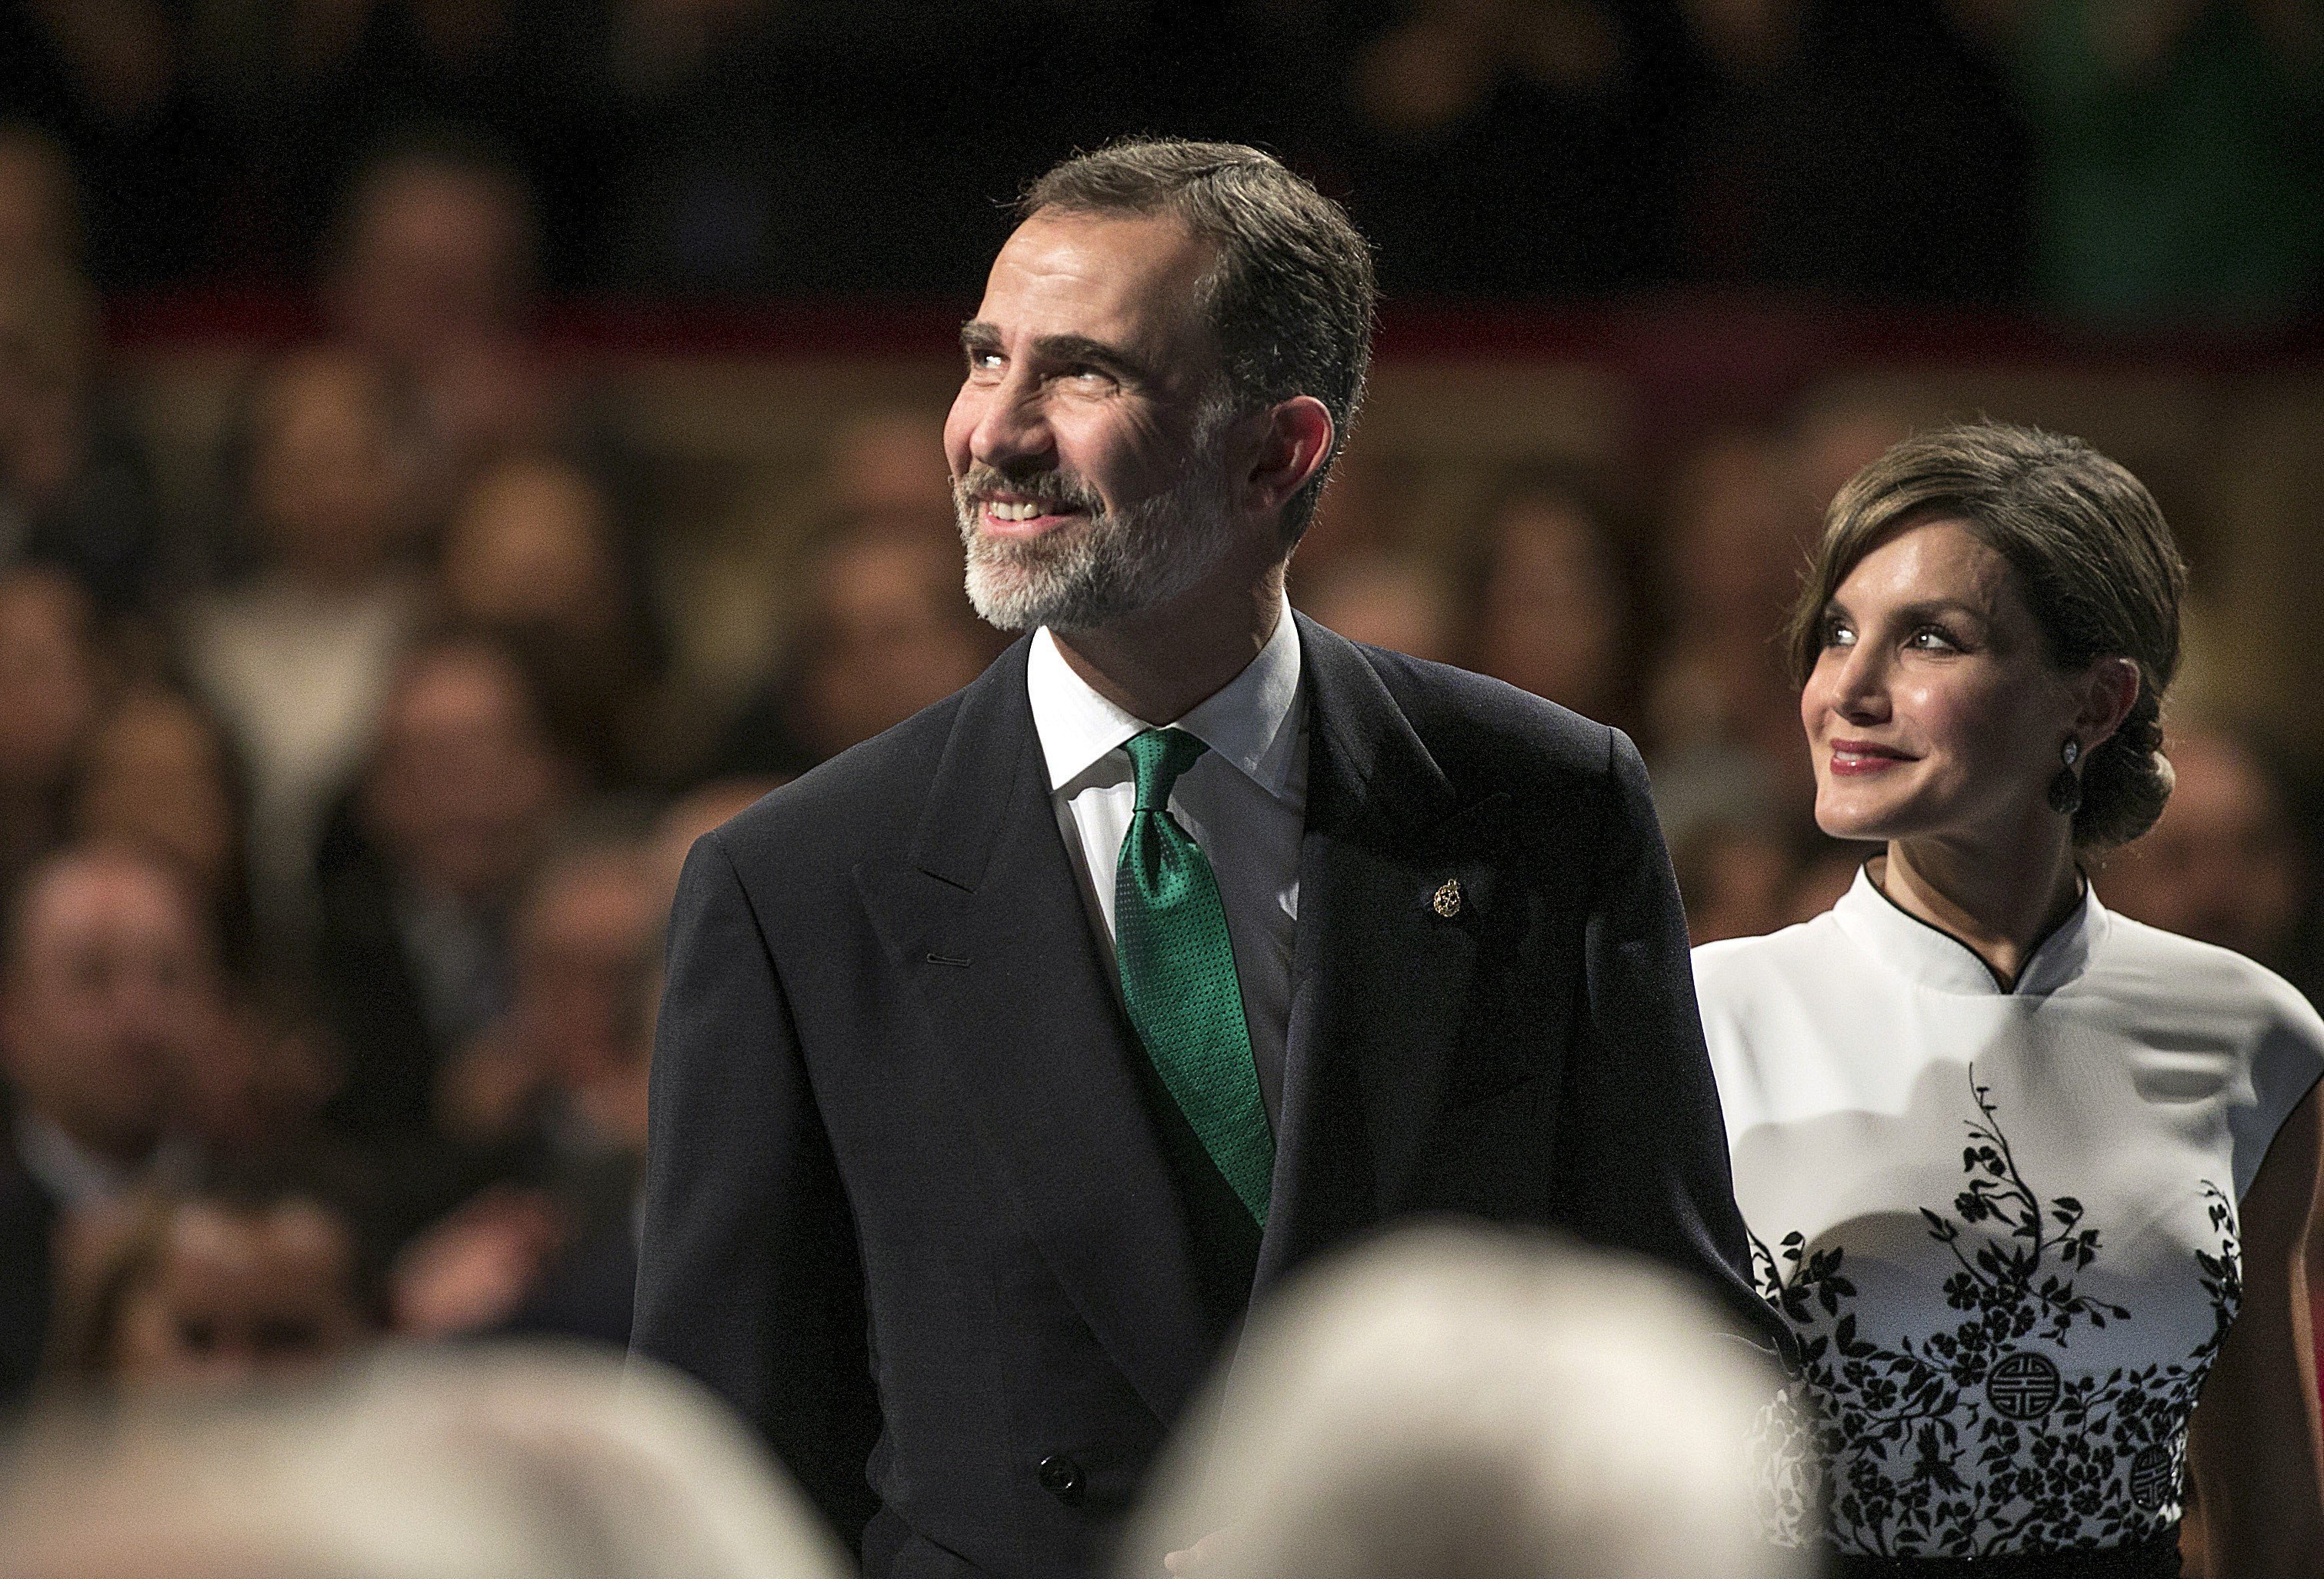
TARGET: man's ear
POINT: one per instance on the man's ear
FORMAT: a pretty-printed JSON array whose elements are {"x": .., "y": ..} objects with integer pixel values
[
  {"x": 1295, "y": 437},
  {"x": 2109, "y": 691}
]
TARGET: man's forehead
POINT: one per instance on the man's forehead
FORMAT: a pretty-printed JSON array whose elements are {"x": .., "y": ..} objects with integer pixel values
[{"x": 1130, "y": 272}]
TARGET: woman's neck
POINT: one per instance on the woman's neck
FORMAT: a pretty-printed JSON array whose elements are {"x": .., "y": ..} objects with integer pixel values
[{"x": 1999, "y": 902}]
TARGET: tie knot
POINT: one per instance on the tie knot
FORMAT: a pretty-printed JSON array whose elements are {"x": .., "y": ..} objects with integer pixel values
[{"x": 1159, "y": 756}]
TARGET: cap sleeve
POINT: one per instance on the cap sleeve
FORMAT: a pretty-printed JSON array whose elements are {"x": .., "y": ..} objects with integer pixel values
[{"x": 2287, "y": 1060}]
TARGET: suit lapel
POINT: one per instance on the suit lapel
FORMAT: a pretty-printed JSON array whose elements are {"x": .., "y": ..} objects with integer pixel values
[
  {"x": 1380, "y": 978},
  {"x": 986, "y": 918}
]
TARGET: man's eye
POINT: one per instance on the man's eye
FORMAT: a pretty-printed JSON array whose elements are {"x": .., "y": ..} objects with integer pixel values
[
  {"x": 984, "y": 361},
  {"x": 1082, "y": 373}
]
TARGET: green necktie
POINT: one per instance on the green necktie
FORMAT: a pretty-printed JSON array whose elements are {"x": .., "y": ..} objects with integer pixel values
[{"x": 1178, "y": 974}]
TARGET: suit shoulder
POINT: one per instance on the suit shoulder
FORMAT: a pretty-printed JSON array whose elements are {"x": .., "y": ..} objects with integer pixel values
[
  {"x": 1473, "y": 724},
  {"x": 863, "y": 801}
]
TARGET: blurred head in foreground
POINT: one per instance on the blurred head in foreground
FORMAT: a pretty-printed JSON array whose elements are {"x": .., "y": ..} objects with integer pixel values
[
  {"x": 1456, "y": 1404},
  {"x": 434, "y": 1466}
]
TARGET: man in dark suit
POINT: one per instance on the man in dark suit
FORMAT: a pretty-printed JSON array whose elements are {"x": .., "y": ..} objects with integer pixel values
[
  {"x": 107, "y": 984},
  {"x": 1005, "y": 1058}
]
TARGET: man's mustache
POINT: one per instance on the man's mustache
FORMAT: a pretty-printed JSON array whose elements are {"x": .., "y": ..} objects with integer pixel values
[{"x": 1059, "y": 489}]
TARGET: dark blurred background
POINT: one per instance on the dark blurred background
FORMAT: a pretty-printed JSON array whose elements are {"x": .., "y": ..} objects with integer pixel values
[{"x": 453, "y": 452}]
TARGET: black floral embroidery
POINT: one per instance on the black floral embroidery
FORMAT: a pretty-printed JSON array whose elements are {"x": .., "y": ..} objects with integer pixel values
[{"x": 1972, "y": 1439}]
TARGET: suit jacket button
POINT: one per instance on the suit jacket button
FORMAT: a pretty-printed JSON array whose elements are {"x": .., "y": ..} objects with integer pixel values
[{"x": 1061, "y": 1477}]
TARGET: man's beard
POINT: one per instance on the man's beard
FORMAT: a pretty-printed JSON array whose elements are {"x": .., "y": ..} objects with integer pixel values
[{"x": 1112, "y": 564}]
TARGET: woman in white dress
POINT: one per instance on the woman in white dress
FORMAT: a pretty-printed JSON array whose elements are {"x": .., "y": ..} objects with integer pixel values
[{"x": 2026, "y": 1177}]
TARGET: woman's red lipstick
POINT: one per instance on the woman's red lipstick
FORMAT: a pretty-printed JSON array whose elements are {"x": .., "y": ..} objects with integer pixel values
[{"x": 1852, "y": 758}]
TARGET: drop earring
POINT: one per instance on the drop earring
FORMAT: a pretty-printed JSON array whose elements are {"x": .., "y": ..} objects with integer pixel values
[{"x": 2066, "y": 787}]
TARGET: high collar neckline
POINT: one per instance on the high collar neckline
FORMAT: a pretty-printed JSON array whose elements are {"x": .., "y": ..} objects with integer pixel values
[{"x": 1932, "y": 957}]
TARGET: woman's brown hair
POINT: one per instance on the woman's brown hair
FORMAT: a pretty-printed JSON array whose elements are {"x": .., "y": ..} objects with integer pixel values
[{"x": 2093, "y": 559}]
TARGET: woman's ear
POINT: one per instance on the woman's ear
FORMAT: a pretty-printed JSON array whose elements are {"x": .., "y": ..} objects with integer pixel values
[{"x": 2109, "y": 690}]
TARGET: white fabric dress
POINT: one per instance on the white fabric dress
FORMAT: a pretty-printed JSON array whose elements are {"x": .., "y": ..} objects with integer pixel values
[{"x": 2002, "y": 1224}]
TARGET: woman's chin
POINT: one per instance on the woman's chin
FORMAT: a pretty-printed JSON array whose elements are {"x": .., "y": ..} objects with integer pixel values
[{"x": 1845, "y": 816}]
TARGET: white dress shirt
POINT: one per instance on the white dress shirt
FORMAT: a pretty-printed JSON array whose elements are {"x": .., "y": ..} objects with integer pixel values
[{"x": 1244, "y": 801}]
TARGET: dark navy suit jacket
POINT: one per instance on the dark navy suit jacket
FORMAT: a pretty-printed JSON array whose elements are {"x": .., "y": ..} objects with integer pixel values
[{"x": 916, "y": 1205}]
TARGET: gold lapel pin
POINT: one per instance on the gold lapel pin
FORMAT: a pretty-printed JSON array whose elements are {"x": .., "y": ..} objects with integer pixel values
[{"x": 1448, "y": 898}]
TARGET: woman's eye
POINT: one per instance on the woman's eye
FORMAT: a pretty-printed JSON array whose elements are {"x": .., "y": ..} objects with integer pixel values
[
  {"x": 1836, "y": 633},
  {"x": 1933, "y": 639}
]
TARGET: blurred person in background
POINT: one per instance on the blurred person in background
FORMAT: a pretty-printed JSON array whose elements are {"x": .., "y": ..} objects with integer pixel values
[
  {"x": 564, "y": 1072},
  {"x": 158, "y": 770},
  {"x": 532, "y": 554},
  {"x": 427, "y": 1464},
  {"x": 1719, "y": 710},
  {"x": 688, "y": 818},
  {"x": 1451, "y": 1403},
  {"x": 459, "y": 797},
  {"x": 108, "y": 990},
  {"x": 432, "y": 270},
  {"x": 2226, "y": 862},
  {"x": 296, "y": 657},
  {"x": 259, "y": 1088},
  {"x": 883, "y": 632},
  {"x": 1552, "y": 607},
  {"x": 73, "y": 487},
  {"x": 583, "y": 929},
  {"x": 251, "y": 1279},
  {"x": 111, "y": 81},
  {"x": 2179, "y": 150},
  {"x": 39, "y": 208},
  {"x": 1735, "y": 875},
  {"x": 883, "y": 468},
  {"x": 2028, "y": 1179},
  {"x": 1400, "y": 601},
  {"x": 52, "y": 686}
]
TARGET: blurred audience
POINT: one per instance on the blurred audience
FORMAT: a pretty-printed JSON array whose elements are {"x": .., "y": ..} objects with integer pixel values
[
  {"x": 296, "y": 657},
  {"x": 50, "y": 688},
  {"x": 108, "y": 995},
  {"x": 482, "y": 1464},
  {"x": 563, "y": 1075},
  {"x": 210, "y": 1290},
  {"x": 1396, "y": 601},
  {"x": 73, "y": 489},
  {"x": 2226, "y": 863},
  {"x": 885, "y": 631},
  {"x": 40, "y": 211},
  {"x": 2177, "y": 162},
  {"x": 157, "y": 770},
  {"x": 532, "y": 554},
  {"x": 459, "y": 796},
  {"x": 1459, "y": 1403},
  {"x": 432, "y": 270},
  {"x": 1551, "y": 605}
]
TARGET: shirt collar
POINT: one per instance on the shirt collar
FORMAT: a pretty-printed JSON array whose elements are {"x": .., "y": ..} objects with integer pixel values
[
  {"x": 1252, "y": 720},
  {"x": 71, "y": 1174},
  {"x": 1936, "y": 958}
]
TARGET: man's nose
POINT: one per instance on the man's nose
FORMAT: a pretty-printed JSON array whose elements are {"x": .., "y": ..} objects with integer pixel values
[{"x": 1012, "y": 426}]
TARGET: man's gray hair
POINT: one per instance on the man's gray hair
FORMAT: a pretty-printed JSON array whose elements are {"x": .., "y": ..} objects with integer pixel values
[{"x": 1290, "y": 296}]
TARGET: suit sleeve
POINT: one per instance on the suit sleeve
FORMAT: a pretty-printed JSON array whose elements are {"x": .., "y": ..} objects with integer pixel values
[
  {"x": 748, "y": 1276},
  {"x": 1641, "y": 1147}
]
